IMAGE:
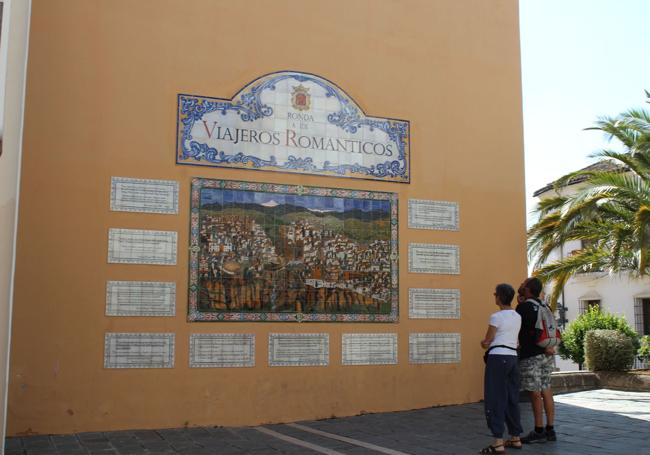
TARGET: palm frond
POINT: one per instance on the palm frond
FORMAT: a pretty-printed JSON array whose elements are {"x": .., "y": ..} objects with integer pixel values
[
  {"x": 609, "y": 212},
  {"x": 617, "y": 128},
  {"x": 642, "y": 234},
  {"x": 616, "y": 186},
  {"x": 558, "y": 272},
  {"x": 549, "y": 204}
]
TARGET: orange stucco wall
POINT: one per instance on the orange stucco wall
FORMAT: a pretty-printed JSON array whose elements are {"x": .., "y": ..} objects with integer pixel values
[{"x": 101, "y": 100}]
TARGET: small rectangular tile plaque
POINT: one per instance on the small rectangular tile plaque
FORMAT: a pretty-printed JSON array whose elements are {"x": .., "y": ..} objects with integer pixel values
[
  {"x": 298, "y": 349},
  {"x": 139, "y": 350},
  {"x": 134, "y": 246},
  {"x": 434, "y": 258},
  {"x": 434, "y": 347},
  {"x": 436, "y": 215},
  {"x": 140, "y": 298},
  {"x": 369, "y": 349},
  {"x": 427, "y": 303},
  {"x": 144, "y": 195},
  {"x": 218, "y": 350}
]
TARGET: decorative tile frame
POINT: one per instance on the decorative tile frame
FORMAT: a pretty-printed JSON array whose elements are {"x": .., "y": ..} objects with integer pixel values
[
  {"x": 292, "y": 122},
  {"x": 195, "y": 314}
]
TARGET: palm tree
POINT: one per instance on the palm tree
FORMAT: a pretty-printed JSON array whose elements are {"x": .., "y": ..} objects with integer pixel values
[{"x": 610, "y": 215}]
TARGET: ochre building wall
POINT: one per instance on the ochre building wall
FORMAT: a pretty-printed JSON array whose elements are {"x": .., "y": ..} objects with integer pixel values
[{"x": 101, "y": 101}]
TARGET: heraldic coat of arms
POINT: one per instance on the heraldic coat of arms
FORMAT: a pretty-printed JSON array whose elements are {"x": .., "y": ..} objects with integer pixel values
[{"x": 300, "y": 98}]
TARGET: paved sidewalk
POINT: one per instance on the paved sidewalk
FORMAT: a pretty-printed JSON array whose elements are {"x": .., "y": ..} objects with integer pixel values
[{"x": 592, "y": 422}]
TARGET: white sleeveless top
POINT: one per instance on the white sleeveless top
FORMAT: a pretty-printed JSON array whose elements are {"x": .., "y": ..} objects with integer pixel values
[{"x": 508, "y": 323}]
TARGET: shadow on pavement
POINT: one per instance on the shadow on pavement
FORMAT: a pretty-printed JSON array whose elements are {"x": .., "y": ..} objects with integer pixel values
[{"x": 441, "y": 430}]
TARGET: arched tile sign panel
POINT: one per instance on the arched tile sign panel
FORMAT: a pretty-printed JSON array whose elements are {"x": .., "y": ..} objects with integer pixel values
[{"x": 292, "y": 122}]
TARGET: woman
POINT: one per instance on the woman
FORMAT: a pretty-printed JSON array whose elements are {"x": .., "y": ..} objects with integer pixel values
[{"x": 502, "y": 372}]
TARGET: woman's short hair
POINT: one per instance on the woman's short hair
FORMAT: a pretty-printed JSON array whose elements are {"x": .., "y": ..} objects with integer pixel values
[{"x": 505, "y": 293}]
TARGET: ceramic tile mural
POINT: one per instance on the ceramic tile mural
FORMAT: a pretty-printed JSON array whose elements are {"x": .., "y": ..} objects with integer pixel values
[
  {"x": 292, "y": 122},
  {"x": 266, "y": 252}
]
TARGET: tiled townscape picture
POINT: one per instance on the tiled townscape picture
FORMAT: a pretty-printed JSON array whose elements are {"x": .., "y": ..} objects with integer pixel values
[{"x": 282, "y": 252}]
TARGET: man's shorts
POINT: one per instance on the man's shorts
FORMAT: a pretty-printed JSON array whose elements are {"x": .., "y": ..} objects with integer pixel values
[{"x": 536, "y": 372}]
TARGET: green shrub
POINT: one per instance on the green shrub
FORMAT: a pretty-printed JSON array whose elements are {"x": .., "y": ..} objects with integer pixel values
[
  {"x": 644, "y": 351},
  {"x": 573, "y": 338},
  {"x": 608, "y": 350}
]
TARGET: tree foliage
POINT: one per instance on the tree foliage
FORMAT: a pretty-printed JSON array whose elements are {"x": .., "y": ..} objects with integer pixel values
[
  {"x": 610, "y": 214},
  {"x": 573, "y": 338},
  {"x": 644, "y": 349}
]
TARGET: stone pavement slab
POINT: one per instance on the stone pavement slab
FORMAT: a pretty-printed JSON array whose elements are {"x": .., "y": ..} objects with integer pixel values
[{"x": 601, "y": 421}]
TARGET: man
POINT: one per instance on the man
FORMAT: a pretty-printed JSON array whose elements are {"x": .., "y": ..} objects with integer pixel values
[{"x": 535, "y": 364}]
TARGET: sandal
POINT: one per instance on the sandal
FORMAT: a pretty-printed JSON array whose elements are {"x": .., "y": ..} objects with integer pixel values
[
  {"x": 492, "y": 449},
  {"x": 513, "y": 443}
]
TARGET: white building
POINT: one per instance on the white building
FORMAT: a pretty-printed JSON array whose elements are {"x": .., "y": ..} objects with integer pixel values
[{"x": 619, "y": 294}]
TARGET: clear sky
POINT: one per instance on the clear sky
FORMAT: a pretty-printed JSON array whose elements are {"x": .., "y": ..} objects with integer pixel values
[{"x": 581, "y": 59}]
